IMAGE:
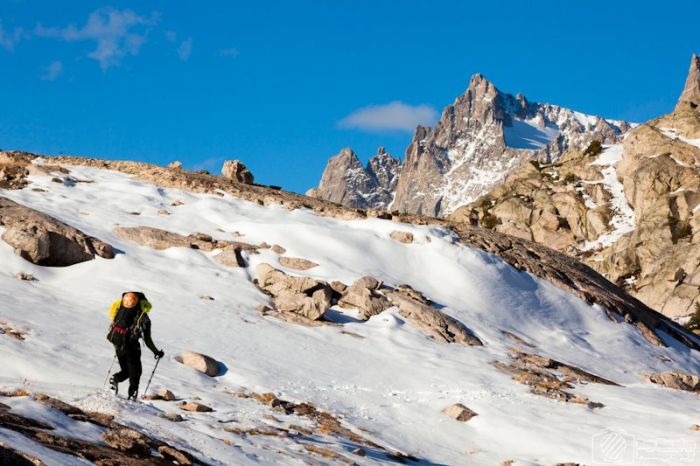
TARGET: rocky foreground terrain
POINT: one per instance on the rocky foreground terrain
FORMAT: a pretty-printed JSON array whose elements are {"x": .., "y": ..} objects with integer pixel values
[
  {"x": 481, "y": 138},
  {"x": 626, "y": 209},
  {"x": 300, "y": 331}
]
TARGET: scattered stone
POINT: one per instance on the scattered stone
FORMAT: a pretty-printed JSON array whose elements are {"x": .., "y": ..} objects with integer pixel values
[
  {"x": 359, "y": 452},
  {"x": 236, "y": 171},
  {"x": 405, "y": 237},
  {"x": 297, "y": 263},
  {"x": 177, "y": 203},
  {"x": 195, "y": 407},
  {"x": 43, "y": 240},
  {"x": 264, "y": 245},
  {"x": 276, "y": 248},
  {"x": 25, "y": 276},
  {"x": 459, "y": 412},
  {"x": 9, "y": 330},
  {"x": 163, "y": 212},
  {"x": 165, "y": 395},
  {"x": 170, "y": 416},
  {"x": 176, "y": 164},
  {"x": 206, "y": 297},
  {"x": 695, "y": 427},
  {"x": 201, "y": 362},
  {"x": 677, "y": 380},
  {"x": 305, "y": 296},
  {"x": 550, "y": 378}
]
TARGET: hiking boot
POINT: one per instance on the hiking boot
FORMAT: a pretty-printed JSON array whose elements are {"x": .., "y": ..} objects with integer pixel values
[
  {"x": 133, "y": 394},
  {"x": 114, "y": 385}
]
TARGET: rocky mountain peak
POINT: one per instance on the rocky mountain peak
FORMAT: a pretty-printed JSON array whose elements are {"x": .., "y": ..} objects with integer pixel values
[
  {"x": 481, "y": 137},
  {"x": 691, "y": 91},
  {"x": 347, "y": 182}
]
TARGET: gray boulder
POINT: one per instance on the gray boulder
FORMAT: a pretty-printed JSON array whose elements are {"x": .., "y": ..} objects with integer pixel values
[{"x": 43, "y": 240}]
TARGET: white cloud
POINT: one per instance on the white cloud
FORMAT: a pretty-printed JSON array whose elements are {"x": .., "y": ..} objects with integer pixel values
[
  {"x": 230, "y": 52},
  {"x": 53, "y": 71},
  {"x": 113, "y": 31},
  {"x": 185, "y": 49},
  {"x": 8, "y": 39},
  {"x": 394, "y": 116}
]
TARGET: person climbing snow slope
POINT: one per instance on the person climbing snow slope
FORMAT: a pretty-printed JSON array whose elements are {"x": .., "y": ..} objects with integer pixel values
[{"x": 130, "y": 322}]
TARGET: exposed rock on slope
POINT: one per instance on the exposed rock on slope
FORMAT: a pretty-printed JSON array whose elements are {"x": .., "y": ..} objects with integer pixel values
[
  {"x": 482, "y": 137},
  {"x": 302, "y": 295},
  {"x": 235, "y": 170},
  {"x": 629, "y": 211},
  {"x": 119, "y": 444},
  {"x": 43, "y": 240},
  {"x": 563, "y": 271}
]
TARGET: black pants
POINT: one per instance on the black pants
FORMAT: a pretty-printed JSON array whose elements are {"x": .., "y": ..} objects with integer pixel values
[{"x": 129, "y": 357}]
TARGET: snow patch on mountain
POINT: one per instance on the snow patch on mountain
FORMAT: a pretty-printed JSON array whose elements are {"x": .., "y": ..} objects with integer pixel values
[{"x": 623, "y": 220}]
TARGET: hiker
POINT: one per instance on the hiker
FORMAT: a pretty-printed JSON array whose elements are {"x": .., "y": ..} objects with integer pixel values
[{"x": 130, "y": 321}]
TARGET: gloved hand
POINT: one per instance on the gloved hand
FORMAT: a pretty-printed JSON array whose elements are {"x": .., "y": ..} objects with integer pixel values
[{"x": 159, "y": 354}]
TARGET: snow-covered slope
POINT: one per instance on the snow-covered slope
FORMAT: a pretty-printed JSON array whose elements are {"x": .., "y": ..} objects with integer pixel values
[{"x": 384, "y": 378}]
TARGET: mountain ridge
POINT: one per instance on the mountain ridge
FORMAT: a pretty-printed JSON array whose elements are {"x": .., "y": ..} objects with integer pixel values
[{"x": 480, "y": 138}]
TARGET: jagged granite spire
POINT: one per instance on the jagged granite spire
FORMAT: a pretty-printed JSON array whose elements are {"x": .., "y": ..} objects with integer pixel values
[
  {"x": 691, "y": 91},
  {"x": 347, "y": 182}
]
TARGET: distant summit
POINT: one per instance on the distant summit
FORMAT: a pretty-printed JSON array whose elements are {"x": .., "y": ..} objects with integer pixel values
[{"x": 481, "y": 138}]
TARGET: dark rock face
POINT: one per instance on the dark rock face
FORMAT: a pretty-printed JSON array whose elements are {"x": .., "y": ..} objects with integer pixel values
[
  {"x": 43, "y": 240},
  {"x": 481, "y": 138}
]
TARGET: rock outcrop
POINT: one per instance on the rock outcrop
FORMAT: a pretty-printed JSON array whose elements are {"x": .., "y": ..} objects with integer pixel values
[
  {"x": 297, "y": 263},
  {"x": 156, "y": 238},
  {"x": 628, "y": 210},
  {"x": 305, "y": 296},
  {"x": 43, "y": 240},
  {"x": 120, "y": 444},
  {"x": 235, "y": 170},
  {"x": 481, "y": 138},
  {"x": 347, "y": 182},
  {"x": 438, "y": 325},
  {"x": 550, "y": 378},
  {"x": 677, "y": 380},
  {"x": 364, "y": 296},
  {"x": 691, "y": 91}
]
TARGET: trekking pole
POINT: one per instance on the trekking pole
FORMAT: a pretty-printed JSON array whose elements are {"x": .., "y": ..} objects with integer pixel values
[
  {"x": 151, "y": 378},
  {"x": 109, "y": 371}
]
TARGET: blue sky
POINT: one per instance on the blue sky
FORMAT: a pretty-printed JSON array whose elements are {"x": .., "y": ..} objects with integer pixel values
[{"x": 284, "y": 85}]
